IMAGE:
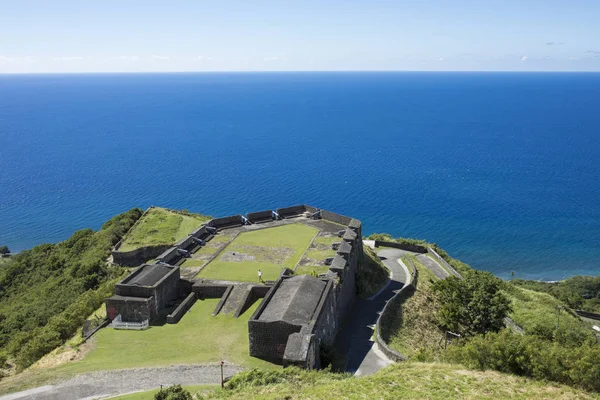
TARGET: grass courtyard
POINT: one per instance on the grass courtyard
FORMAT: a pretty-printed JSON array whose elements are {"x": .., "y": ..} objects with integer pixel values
[
  {"x": 269, "y": 250},
  {"x": 198, "y": 338},
  {"x": 161, "y": 226}
]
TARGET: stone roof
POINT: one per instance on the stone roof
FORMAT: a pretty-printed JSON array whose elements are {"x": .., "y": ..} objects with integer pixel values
[
  {"x": 149, "y": 275},
  {"x": 295, "y": 300}
]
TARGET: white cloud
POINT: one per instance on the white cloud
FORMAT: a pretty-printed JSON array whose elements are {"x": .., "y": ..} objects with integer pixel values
[
  {"x": 68, "y": 58},
  {"x": 160, "y": 57},
  {"x": 271, "y": 59},
  {"x": 524, "y": 58},
  {"x": 441, "y": 59}
]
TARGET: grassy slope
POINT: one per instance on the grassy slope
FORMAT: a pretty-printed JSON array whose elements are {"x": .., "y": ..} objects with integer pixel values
[
  {"x": 414, "y": 329},
  {"x": 149, "y": 395},
  {"x": 161, "y": 226},
  {"x": 262, "y": 244},
  {"x": 371, "y": 274},
  {"x": 198, "y": 338},
  {"x": 405, "y": 381}
]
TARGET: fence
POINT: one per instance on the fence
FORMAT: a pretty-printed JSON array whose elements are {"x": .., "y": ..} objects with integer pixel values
[{"x": 117, "y": 323}]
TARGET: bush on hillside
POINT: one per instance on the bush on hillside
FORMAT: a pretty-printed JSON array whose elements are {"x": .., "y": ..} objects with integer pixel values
[
  {"x": 528, "y": 355},
  {"x": 175, "y": 392},
  {"x": 4, "y": 250},
  {"x": 473, "y": 305}
]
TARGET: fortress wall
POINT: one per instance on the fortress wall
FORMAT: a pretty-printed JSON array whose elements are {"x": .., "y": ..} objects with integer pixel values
[
  {"x": 186, "y": 243},
  {"x": 226, "y": 222},
  {"x": 302, "y": 350},
  {"x": 131, "y": 309},
  {"x": 167, "y": 290},
  {"x": 289, "y": 212},
  {"x": 180, "y": 311},
  {"x": 337, "y": 218},
  {"x": 415, "y": 248},
  {"x": 138, "y": 256},
  {"x": 268, "y": 339},
  {"x": 171, "y": 256},
  {"x": 260, "y": 216},
  {"x": 251, "y": 296},
  {"x": 209, "y": 291}
]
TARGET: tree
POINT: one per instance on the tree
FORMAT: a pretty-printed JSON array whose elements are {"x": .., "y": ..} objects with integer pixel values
[
  {"x": 4, "y": 250},
  {"x": 472, "y": 305}
]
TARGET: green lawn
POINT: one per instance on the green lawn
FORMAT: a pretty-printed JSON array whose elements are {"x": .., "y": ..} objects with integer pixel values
[
  {"x": 310, "y": 269},
  {"x": 149, "y": 395},
  {"x": 198, "y": 338},
  {"x": 269, "y": 250},
  {"x": 161, "y": 226}
]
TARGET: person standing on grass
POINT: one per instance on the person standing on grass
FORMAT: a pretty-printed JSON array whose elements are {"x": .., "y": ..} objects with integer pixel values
[{"x": 259, "y": 275}]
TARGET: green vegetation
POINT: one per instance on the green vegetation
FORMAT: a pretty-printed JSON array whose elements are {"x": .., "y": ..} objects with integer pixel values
[
  {"x": 269, "y": 250},
  {"x": 529, "y": 355},
  {"x": 400, "y": 381},
  {"x": 314, "y": 270},
  {"x": 151, "y": 394},
  {"x": 473, "y": 305},
  {"x": 197, "y": 338},
  {"x": 4, "y": 250},
  {"x": 47, "y": 292},
  {"x": 413, "y": 330},
  {"x": 161, "y": 226},
  {"x": 578, "y": 292},
  {"x": 371, "y": 274}
]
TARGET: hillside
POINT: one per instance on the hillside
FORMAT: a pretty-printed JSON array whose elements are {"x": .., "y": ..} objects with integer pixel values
[
  {"x": 47, "y": 292},
  {"x": 400, "y": 381}
]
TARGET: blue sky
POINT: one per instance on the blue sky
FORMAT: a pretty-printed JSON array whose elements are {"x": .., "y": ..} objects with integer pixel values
[{"x": 223, "y": 35}]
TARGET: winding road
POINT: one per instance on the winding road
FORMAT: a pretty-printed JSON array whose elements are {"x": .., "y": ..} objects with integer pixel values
[{"x": 361, "y": 355}]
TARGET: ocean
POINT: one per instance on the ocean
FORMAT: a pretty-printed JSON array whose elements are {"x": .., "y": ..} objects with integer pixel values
[{"x": 500, "y": 169}]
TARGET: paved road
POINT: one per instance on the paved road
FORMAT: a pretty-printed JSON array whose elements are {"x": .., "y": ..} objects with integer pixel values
[
  {"x": 102, "y": 384},
  {"x": 433, "y": 266},
  {"x": 355, "y": 341}
]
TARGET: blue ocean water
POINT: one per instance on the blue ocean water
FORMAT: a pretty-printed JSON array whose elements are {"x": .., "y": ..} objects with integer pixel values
[{"x": 500, "y": 169}]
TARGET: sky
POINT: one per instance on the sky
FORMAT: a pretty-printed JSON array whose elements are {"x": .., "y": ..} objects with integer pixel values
[{"x": 61, "y": 36}]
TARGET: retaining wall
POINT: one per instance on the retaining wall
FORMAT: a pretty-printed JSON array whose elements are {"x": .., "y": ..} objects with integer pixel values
[
  {"x": 209, "y": 290},
  {"x": 253, "y": 293},
  {"x": 415, "y": 248},
  {"x": 392, "y": 307},
  {"x": 176, "y": 315},
  {"x": 293, "y": 211}
]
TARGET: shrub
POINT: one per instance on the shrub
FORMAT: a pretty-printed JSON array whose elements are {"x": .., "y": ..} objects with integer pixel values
[
  {"x": 472, "y": 305},
  {"x": 4, "y": 250},
  {"x": 175, "y": 392}
]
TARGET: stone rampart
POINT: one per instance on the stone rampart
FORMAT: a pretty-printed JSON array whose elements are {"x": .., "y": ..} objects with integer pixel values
[
  {"x": 291, "y": 212},
  {"x": 252, "y": 294},
  {"x": 269, "y": 338},
  {"x": 392, "y": 307},
  {"x": 226, "y": 222},
  {"x": 139, "y": 255},
  {"x": 180, "y": 311},
  {"x": 415, "y": 248},
  {"x": 209, "y": 290},
  {"x": 170, "y": 256},
  {"x": 337, "y": 218},
  {"x": 131, "y": 309},
  {"x": 260, "y": 216}
]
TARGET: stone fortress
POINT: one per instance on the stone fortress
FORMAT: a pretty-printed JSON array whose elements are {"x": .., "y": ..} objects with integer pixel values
[{"x": 298, "y": 316}]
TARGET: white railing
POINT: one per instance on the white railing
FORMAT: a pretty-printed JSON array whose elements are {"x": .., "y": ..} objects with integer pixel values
[{"x": 118, "y": 323}]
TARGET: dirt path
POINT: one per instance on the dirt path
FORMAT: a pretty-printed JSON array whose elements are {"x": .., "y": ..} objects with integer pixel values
[{"x": 102, "y": 384}]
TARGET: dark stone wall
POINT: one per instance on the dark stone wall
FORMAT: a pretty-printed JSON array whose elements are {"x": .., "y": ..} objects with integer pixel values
[
  {"x": 131, "y": 310},
  {"x": 138, "y": 256},
  {"x": 288, "y": 212},
  {"x": 260, "y": 216},
  {"x": 252, "y": 294},
  {"x": 209, "y": 291},
  {"x": 170, "y": 256},
  {"x": 180, "y": 311},
  {"x": 415, "y": 248},
  {"x": 226, "y": 222},
  {"x": 167, "y": 290},
  {"x": 337, "y": 218},
  {"x": 268, "y": 340},
  {"x": 302, "y": 350}
]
